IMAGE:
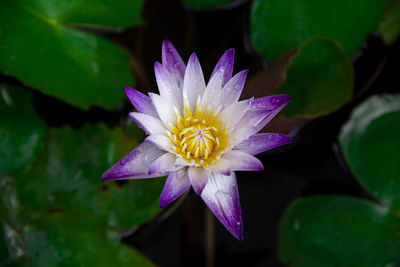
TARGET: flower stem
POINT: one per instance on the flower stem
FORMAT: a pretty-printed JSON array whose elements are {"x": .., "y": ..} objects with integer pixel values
[{"x": 209, "y": 251}]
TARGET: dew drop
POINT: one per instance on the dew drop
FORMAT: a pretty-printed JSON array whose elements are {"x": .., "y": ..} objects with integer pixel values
[
  {"x": 176, "y": 65},
  {"x": 170, "y": 50},
  {"x": 252, "y": 144},
  {"x": 237, "y": 87},
  {"x": 238, "y": 223},
  {"x": 122, "y": 162},
  {"x": 391, "y": 264},
  {"x": 270, "y": 137},
  {"x": 274, "y": 100},
  {"x": 296, "y": 225}
]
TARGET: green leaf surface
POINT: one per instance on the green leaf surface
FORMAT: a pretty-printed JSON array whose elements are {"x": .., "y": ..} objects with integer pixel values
[
  {"x": 40, "y": 46},
  {"x": 21, "y": 129},
  {"x": 65, "y": 240},
  {"x": 278, "y": 27},
  {"x": 390, "y": 25},
  {"x": 371, "y": 146},
  {"x": 320, "y": 79},
  {"x": 62, "y": 212},
  {"x": 338, "y": 231},
  {"x": 66, "y": 177},
  {"x": 206, "y": 4}
]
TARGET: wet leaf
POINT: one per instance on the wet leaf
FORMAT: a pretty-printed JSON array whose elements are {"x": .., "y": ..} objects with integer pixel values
[
  {"x": 62, "y": 60},
  {"x": 390, "y": 25},
  {"x": 370, "y": 144},
  {"x": 21, "y": 129},
  {"x": 66, "y": 177},
  {"x": 278, "y": 27},
  {"x": 320, "y": 79},
  {"x": 338, "y": 231}
]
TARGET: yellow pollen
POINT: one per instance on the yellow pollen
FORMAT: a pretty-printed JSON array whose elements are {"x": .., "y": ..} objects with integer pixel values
[{"x": 198, "y": 137}]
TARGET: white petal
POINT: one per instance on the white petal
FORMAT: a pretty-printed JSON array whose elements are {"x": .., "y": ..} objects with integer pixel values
[
  {"x": 136, "y": 164},
  {"x": 231, "y": 115},
  {"x": 198, "y": 178},
  {"x": 193, "y": 83},
  {"x": 165, "y": 163},
  {"x": 148, "y": 123},
  {"x": 232, "y": 90},
  {"x": 161, "y": 141},
  {"x": 241, "y": 161},
  {"x": 167, "y": 86},
  {"x": 164, "y": 109},
  {"x": 222, "y": 197},
  {"x": 213, "y": 91}
]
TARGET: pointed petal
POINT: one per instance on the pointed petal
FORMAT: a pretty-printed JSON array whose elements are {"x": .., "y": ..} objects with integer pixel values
[
  {"x": 149, "y": 124},
  {"x": 234, "y": 112},
  {"x": 161, "y": 141},
  {"x": 262, "y": 142},
  {"x": 261, "y": 111},
  {"x": 233, "y": 89},
  {"x": 193, "y": 83},
  {"x": 167, "y": 86},
  {"x": 241, "y": 161},
  {"x": 173, "y": 62},
  {"x": 141, "y": 102},
  {"x": 165, "y": 163},
  {"x": 198, "y": 178},
  {"x": 164, "y": 109},
  {"x": 222, "y": 197},
  {"x": 135, "y": 165},
  {"x": 225, "y": 64},
  {"x": 222, "y": 166},
  {"x": 212, "y": 92},
  {"x": 177, "y": 183}
]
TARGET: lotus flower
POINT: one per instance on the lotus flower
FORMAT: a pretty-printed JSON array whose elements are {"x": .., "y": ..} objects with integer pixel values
[{"x": 200, "y": 134}]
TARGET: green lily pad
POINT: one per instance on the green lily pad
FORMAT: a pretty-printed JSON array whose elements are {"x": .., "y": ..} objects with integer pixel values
[
  {"x": 21, "y": 129},
  {"x": 390, "y": 25},
  {"x": 65, "y": 177},
  {"x": 62, "y": 212},
  {"x": 320, "y": 79},
  {"x": 41, "y": 46},
  {"x": 339, "y": 231},
  {"x": 206, "y": 4},
  {"x": 371, "y": 146},
  {"x": 278, "y": 27},
  {"x": 68, "y": 240}
]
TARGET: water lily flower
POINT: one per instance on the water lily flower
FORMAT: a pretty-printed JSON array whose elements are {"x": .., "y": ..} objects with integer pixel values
[{"x": 199, "y": 134}]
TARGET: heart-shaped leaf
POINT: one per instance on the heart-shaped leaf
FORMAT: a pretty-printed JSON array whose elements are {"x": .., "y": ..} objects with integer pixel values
[
  {"x": 339, "y": 231},
  {"x": 371, "y": 146},
  {"x": 66, "y": 177},
  {"x": 21, "y": 129},
  {"x": 278, "y": 27},
  {"x": 41, "y": 46},
  {"x": 61, "y": 210},
  {"x": 320, "y": 79},
  {"x": 390, "y": 25}
]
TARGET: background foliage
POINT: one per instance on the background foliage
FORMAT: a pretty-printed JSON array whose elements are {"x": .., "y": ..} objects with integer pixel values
[{"x": 331, "y": 198}]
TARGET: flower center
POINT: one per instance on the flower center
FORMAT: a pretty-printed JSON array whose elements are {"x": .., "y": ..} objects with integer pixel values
[{"x": 198, "y": 138}]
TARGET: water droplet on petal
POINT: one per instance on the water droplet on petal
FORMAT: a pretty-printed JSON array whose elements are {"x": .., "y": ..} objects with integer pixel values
[
  {"x": 170, "y": 50},
  {"x": 252, "y": 144},
  {"x": 237, "y": 87},
  {"x": 270, "y": 137},
  {"x": 274, "y": 100},
  {"x": 122, "y": 162},
  {"x": 238, "y": 223},
  {"x": 176, "y": 65}
]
